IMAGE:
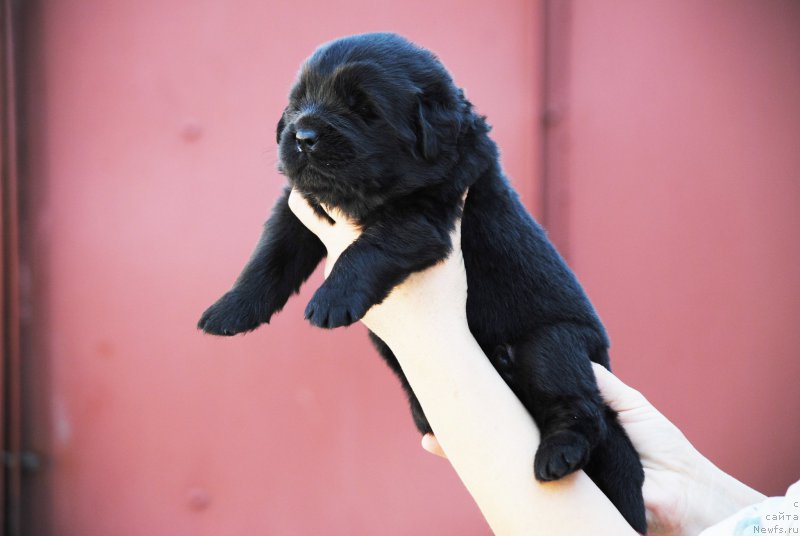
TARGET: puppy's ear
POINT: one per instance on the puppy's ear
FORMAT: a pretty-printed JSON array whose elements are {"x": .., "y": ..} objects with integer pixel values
[
  {"x": 427, "y": 143},
  {"x": 281, "y": 126},
  {"x": 440, "y": 112}
]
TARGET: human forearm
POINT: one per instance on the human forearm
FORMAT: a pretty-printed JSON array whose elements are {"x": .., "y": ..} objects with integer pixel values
[{"x": 490, "y": 438}]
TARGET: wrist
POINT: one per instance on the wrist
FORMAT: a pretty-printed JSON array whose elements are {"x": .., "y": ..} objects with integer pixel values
[
  {"x": 407, "y": 334},
  {"x": 714, "y": 496}
]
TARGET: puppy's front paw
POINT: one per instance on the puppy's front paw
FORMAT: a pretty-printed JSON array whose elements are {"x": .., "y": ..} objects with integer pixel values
[
  {"x": 235, "y": 312},
  {"x": 560, "y": 454},
  {"x": 332, "y": 307}
]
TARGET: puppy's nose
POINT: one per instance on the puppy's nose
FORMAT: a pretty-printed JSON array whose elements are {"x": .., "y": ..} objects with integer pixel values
[{"x": 306, "y": 139}]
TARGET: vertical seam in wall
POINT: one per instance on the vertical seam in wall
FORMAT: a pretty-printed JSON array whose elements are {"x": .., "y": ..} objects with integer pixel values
[
  {"x": 11, "y": 440},
  {"x": 555, "y": 192},
  {"x": 35, "y": 508}
]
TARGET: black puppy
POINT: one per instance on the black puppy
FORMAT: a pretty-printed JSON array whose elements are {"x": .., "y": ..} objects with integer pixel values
[{"x": 376, "y": 127}]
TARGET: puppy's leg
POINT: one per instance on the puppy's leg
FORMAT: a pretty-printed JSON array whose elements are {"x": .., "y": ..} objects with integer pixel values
[
  {"x": 285, "y": 256},
  {"x": 615, "y": 468},
  {"x": 381, "y": 258},
  {"x": 553, "y": 378},
  {"x": 416, "y": 409}
]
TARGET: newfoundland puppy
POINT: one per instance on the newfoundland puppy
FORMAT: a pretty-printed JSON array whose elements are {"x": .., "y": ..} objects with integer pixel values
[{"x": 376, "y": 127}]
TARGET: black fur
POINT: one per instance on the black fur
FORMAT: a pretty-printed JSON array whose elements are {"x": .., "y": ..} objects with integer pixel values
[{"x": 390, "y": 140}]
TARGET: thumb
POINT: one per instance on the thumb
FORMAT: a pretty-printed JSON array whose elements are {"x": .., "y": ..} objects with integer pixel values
[
  {"x": 616, "y": 394},
  {"x": 301, "y": 208},
  {"x": 430, "y": 444}
]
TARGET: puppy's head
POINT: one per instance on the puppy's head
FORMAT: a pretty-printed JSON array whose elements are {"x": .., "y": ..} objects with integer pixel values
[{"x": 371, "y": 117}]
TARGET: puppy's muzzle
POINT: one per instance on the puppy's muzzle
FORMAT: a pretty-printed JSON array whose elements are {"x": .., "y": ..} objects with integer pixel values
[{"x": 306, "y": 139}]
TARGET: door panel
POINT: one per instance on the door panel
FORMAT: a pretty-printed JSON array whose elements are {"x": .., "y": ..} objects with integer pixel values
[{"x": 682, "y": 172}]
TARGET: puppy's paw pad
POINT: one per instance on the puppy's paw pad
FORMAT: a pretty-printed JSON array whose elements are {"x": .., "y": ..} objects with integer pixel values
[
  {"x": 560, "y": 454},
  {"x": 331, "y": 307},
  {"x": 233, "y": 313}
]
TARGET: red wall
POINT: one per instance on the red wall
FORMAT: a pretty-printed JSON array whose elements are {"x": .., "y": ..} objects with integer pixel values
[
  {"x": 683, "y": 176},
  {"x": 672, "y": 179},
  {"x": 152, "y": 168}
]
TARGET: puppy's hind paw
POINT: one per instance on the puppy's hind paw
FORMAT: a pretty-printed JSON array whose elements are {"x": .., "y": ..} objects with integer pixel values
[
  {"x": 233, "y": 313},
  {"x": 559, "y": 454},
  {"x": 332, "y": 308}
]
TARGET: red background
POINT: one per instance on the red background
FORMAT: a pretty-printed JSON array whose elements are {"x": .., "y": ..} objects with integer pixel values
[{"x": 657, "y": 141}]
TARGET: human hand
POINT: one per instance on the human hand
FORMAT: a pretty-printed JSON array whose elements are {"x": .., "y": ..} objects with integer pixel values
[
  {"x": 674, "y": 470},
  {"x": 683, "y": 491},
  {"x": 336, "y": 237},
  {"x": 424, "y": 301}
]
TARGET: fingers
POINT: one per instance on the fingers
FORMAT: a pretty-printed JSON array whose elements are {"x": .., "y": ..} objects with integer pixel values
[
  {"x": 616, "y": 394},
  {"x": 315, "y": 223},
  {"x": 336, "y": 215},
  {"x": 306, "y": 214},
  {"x": 456, "y": 232},
  {"x": 430, "y": 444}
]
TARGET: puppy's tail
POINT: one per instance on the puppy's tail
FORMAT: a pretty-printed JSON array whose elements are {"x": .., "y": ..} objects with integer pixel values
[{"x": 615, "y": 468}]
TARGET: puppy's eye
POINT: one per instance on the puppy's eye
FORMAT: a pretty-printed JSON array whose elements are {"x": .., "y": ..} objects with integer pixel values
[
  {"x": 360, "y": 105},
  {"x": 365, "y": 111}
]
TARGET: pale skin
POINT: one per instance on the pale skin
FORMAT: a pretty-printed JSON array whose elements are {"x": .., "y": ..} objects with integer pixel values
[{"x": 490, "y": 438}]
